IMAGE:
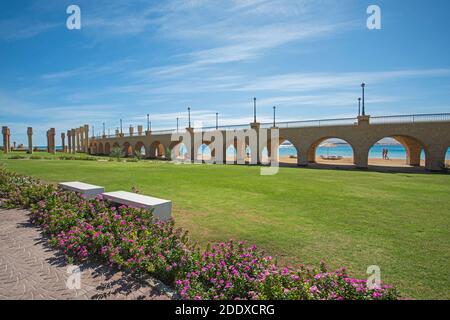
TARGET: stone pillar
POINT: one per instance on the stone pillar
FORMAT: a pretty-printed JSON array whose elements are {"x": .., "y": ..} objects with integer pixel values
[
  {"x": 192, "y": 152},
  {"x": 63, "y": 141},
  {"x": 360, "y": 155},
  {"x": 256, "y": 126},
  {"x": 48, "y": 140},
  {"x": 51, "y": 140},
  {"x": 86, "y": 138},
  {"x": 74, "y": 140},
  {"x": 77, "y": 134},
  {"x": 69, "y": 141},
  {"x": 140, "y": 130},
  {"x": 30, "y": 140},
  {"x": 117, "y": 132},
  {"x": 6, "y": 139},
  {"x": 81, "y": 131},
  {"x": 131, "y": 131},
  {"x": 224, "y": 149}
]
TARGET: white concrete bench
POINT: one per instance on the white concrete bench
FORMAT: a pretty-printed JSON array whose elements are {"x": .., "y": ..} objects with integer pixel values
[
  {"x": 88, "y": 190},
  {"x": 162, "y": 209}
]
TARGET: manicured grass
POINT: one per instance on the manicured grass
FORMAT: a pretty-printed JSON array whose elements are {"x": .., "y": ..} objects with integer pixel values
[{"x": 399, "y": 222}]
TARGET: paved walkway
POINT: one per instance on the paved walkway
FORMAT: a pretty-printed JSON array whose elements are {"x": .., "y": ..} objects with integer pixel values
[{"x": 30, "y": 269}]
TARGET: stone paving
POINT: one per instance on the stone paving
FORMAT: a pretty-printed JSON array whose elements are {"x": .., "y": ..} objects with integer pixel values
[{"x": 30, "y": 269}]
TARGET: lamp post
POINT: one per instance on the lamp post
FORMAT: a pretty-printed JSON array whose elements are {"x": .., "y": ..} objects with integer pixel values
[
  {"x": 148, "y": 122},
  {"x": 121, "y": 126},
  {"x": 254, "y": 110},
  {"x": 217, "y": 121},
  {"x": 274, "y": 110},
  {"x": 189, "y": 116},
  {"x": 177, "y": 123},
  {"x": 363, "y": 85},
  {"x": 104, "y": 131},
  {"x": 359, "y": 107}
]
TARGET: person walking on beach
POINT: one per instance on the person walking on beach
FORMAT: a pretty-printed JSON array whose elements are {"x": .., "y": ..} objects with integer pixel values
[
  {"x": 384, "y": 154},
  {"x": 387, "y": 154}
]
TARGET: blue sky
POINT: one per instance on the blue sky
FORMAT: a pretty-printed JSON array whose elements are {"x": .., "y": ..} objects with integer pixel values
[{"x": 136, "y": 57}]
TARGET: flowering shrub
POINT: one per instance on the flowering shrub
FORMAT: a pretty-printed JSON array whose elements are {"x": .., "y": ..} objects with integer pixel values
[
  {"x": 132, "y": 239},
  {"x": 233, "y": 271}
]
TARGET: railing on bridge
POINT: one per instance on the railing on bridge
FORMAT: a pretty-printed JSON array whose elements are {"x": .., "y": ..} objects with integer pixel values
[
  {"x": 412, "y": 118},
  {"x": 313, "y": 123},
  {"x": 377, "y": 120}
]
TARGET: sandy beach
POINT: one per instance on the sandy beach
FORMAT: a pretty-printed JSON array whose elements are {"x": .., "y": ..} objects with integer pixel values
[{"x": 341, "y": 162}]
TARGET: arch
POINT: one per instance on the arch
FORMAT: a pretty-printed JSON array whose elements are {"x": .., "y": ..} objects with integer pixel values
[
  {"x": 179, "y": 151},
  {"x": 93, "y": 147},
  {"x": 127, "y": 149},
  {"x": 331, "y": 151},
  {"x": 401, "y": 151},
  {"x": 204, "y": 152},
  {"x": 287, "y": 152},
  {"x": 231, "y": 153},
  {"x": 107, "y": 148},
  {"x": 140, "y": 148},
  {"x": 100, "y": 148},
  {"x": 157, "y": 150}
]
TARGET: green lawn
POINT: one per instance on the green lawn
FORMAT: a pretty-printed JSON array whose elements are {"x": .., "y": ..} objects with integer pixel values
[{"x": 347, "y": 218}]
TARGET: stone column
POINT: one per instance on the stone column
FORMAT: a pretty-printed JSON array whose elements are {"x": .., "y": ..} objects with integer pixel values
[
  {"x": 81, "y": 131},
  {"x": 51, "y": 138},
  {"x": 86, "y": 138},
  {"x": 192, "y": 152},
  {"x": 6, "y": 139},
  {"x": 74, "y": 140},
  {"x": 48, "y": 140},
  {"x": 131, "y": 131},
  {"x": 77, "y": 133},
  {"x": 140, "y": 130},
  {"x": 63, "y": 141},
  {"x": 30, "y": 140},
  {"x": 69, "y": 142},
  {"x": 256, "y": 126},
  {"x": 117, "y": 132}
]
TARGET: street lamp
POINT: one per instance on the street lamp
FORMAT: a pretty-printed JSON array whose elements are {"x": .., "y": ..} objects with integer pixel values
[
  {"x": 104, "y": 131},
  {"x": 274, "y": 110},
  {"x": 363, "y": 85},
  {"x": 148, "y": 122},
  {"x": 217, "y": 121},
  {"x": 177, "y": 123},
  {"x": 120, "y": 126},
  {"x": 254, "y": 110},
  {"x": 189, "y": 116}
]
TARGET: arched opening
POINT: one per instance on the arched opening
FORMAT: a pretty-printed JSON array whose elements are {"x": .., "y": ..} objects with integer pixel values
[
  {"x": 397, "y": 151},
  {"x": 287, "y": 152},
  {"x": 93, "y": 148},
  {"x": 139, "y": 149},
  {"x": 331, "y": 151},
  {"x": 204, "y": 153},
  {"x": 231, "y": 154},
  {"x": 157, "y": 150},
  {"x": 107, "y": 148},
  {"x": 127, "y": 150},
  {"x": 100, "y": 148},
  {"x": 179, "y": 151}
]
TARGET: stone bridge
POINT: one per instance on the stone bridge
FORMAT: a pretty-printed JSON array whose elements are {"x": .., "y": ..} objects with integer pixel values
[{"x": 417, "y": 133}]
